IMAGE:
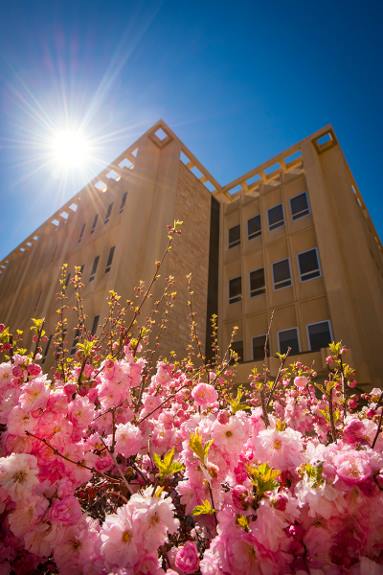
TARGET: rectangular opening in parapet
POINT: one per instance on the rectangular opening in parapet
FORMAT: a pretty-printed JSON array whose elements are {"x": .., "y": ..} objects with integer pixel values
[
  {"x": 112, "y": 175},
  {"x": 325, "y": 139},
  {"x": 235, "y": 190},
  {"x": 161, "y": 134},
  {"x": 184, "y": 159},
  {"x": 73, "y": 207},
  {"x": 209, "y": 186},
  {"x": 272, "y": 169},
  {"x": 55, "y": 222},
  {"x": 293, "y": 157},
  {"x": 126, "y": 163},
  {"x": 134, "y": 153},
  {"x": 64, "y": 215},
  {"x": 198, "y": 174},
  {"x": 100, "y": 185}
]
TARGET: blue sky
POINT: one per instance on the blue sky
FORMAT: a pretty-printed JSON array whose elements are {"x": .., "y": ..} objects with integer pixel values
[{"x": 238, "y": 82}]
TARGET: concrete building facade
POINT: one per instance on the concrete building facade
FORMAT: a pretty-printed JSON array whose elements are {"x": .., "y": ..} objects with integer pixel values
[{"x": 290, "y": 239}]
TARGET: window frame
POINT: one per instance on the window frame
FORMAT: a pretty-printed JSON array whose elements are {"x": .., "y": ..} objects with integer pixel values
[
  {"x": 319, "y": 266},
  {"x": 279, "y": 225},
  {"x": 272, "y": 271},
  {"x": 81, "y": 236},
  {"x": 124, "y": 197},
  {"x": 94, "y": 224},
  {"x": 241, "y": 359},
  {"x": 257, "y": 233},
  {"x": 109, "y": 259},
  {"x": 108, "y": 212},
  {"x": 236, "y": 242},
  {"x": 252, "y": 346},
  {"x": 328, "y": 321},
  {"x": 256, "y": 292},
  {"x": 300, "y": 214},
  {"x": 239, "y": 297},
  {"x": 298, "y": 339},
  {"x": 94, "y": 269}
]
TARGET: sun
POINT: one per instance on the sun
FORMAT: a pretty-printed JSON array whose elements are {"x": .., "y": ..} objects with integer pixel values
[{"x": 69, "y": 150}]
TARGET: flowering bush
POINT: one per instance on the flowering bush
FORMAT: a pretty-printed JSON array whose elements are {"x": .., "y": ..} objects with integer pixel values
[{"x": 111, "y": 466}]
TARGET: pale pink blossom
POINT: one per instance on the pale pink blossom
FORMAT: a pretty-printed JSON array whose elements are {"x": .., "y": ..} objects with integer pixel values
[
  {"x": 129, "y": 439},
  {"x": 18, "y": 475},
  {"x": 204, "y": 394}
]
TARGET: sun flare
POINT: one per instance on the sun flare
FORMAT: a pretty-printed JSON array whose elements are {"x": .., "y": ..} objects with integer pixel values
[{"x": 69, "y": 150}]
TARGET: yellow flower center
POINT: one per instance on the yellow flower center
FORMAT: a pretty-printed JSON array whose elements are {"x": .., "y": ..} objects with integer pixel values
[{"x": 126, "y": 536}]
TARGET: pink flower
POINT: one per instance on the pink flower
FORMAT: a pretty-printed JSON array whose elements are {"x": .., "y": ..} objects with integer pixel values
[
  {"x": 281, "y": 449},
  {"x": 18, "y": 475},
  {"x": 66, "y": 510},
  {"x": 352, "y": 466},
  {"x": 301, "y": 381},
  {"x": 129, "y": 439},
  {"x": 204, "y": 394},
  {"x": 187, "y": 560}
]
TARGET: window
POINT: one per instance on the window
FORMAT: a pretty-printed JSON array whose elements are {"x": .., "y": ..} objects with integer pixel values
[
  {"x": 299, "y": 206},
  {"x": 67, "y": 279},
  {"x": 94, "y": 268},
  {"x": 254, "y": 227},
  {"x": 110, "y": 259},
  {"x": 123, "y": 201},
  {"x": 309, "y": 265},
  {"x": 96, "y": 319},
  {"x": 257, "y": 282},
  {"x": 237, "y": 346},
  {"x": 75, "y": 340},
  {"x": 319, "y": 335},
  {"x": 108, "y": 213},
  {"x": 281, "y": 274},
  {"x": 235, "y": 290},
  {"x": 82, "y": 269},
  {"x": 289, "y": 338},
  {"x": 276, "y": 217},
  {"x": 81, "y": 233},
  {"x": 234, "y": 236},
  {"x": 94, "y": 224},
  {"x": 259, "y": 347}
]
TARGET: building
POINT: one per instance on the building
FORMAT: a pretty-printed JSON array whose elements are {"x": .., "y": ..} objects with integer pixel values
[{"x": 291, "y": 236}]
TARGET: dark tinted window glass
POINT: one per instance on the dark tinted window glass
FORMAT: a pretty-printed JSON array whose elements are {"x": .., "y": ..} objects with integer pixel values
[
  {"x": 110, "y": 259},
  {"x": 259, "y": 347},
  {"x": 94, "y": 224},
  {"x": 289, "y": 338},
  {"x": 235, "y": 290},
  {"x": 254, "y": 227},
  {"x": 234, "y": 236},
  {"x": 123, "y": 201},
  {"x": 299, "y": 206},
  {"x": 281, "y": 274},
  {"x": 319, "y": 335},
  {"x": 309, "y": 265},
  {"x": 108, "y": 213},
  {"x": 94, "y": 268},
  {"x": 276, "y": 217},
  {"x": 237, "y": 346},
  {"x": 257, "y": 282}
]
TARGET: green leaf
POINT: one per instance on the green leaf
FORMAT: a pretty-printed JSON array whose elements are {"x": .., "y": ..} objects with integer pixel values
[
  {"x": 236, "y": 404},
  {"x": 205, "y": 509},
  {"x": 263, "y": 477},
  {"x": 196, "y": 445},
  {"x": 314, "y": 474},
  {"x": 167, "y": 466}
]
